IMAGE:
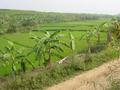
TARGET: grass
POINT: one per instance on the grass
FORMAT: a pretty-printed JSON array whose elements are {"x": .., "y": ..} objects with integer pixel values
[
  {"x": 115, "y": 85},
  {"x": 58, "y": 73},
  {"x": 74, "y": 26},
  {"x": 24, "y": 38}
]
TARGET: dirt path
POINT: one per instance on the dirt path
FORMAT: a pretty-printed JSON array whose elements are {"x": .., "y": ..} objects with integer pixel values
[{"x": 96, "y": 79}]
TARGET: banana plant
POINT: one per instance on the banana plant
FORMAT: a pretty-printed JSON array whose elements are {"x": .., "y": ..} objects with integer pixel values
[
  {"x": 116, "y": 29},
  {"x": 113, "y": 30},
  {"x": 14, "y": 56},
  {"x": 98, "y": 29},
  {"x": 94, "y": 33},
  {"x": 72, "y": 44},
  {"x": 8, "y": 55},
  {"x": 23, "y": 59},
  {"x": 89, "y": 35},
  {"x": 38, "y": 48},
  {"x": 48, "y": 46}
]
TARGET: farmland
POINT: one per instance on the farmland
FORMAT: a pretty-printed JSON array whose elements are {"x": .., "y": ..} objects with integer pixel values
[
  {"x": 78, "y": 29},
  {"x": 28, "y": 44}
]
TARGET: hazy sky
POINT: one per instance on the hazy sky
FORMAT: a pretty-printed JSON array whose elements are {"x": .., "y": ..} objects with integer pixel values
[{"x": 73, "y": 6}]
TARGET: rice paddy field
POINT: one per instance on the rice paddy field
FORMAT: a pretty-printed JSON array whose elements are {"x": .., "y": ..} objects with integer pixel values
[{"x": 78, "y": 29}]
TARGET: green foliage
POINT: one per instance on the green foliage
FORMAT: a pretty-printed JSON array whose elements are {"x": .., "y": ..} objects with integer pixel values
[
  {"x": 13, "y": 56},
  {"x": 9, "y": 55},
  {"x": 116, "y": 29},
  {"x": 48, "y": 46},
  {"x": 113, "y": 30},
  {"x": 57, "y": 73},
  {"x": 46, "y": 78},
  {"x": 72, "y": 42},
  {"x": 98, "y": 29},
  {"x": 22, "y": 39},
  {"x": 11, "y": 28}
]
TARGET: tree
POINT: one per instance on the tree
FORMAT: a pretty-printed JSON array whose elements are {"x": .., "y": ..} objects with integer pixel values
[
  {"x": 28, "y": 24},
  {"x": 12, "y": 28}
]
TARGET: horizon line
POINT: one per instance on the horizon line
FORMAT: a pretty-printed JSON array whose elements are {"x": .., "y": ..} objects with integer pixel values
[{"x": 58, "y": 11}]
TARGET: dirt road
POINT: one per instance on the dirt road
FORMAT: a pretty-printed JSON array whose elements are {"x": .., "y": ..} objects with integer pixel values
[{"x": 96, "y": 79}]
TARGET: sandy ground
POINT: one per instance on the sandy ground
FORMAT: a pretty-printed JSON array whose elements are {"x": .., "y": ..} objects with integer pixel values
[{"x": 96, "y": 79}]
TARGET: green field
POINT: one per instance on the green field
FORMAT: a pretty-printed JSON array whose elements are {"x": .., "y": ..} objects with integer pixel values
[
  {"x": 78, "y": 29},
  {"x": 74, "y": 26}
]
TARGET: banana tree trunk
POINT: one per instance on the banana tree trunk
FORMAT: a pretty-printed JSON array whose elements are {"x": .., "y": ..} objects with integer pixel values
[
  {"x": 49, "y": 58},
  {"x": 98, "y": 37},
  {"x": 109, "y": 36}
]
